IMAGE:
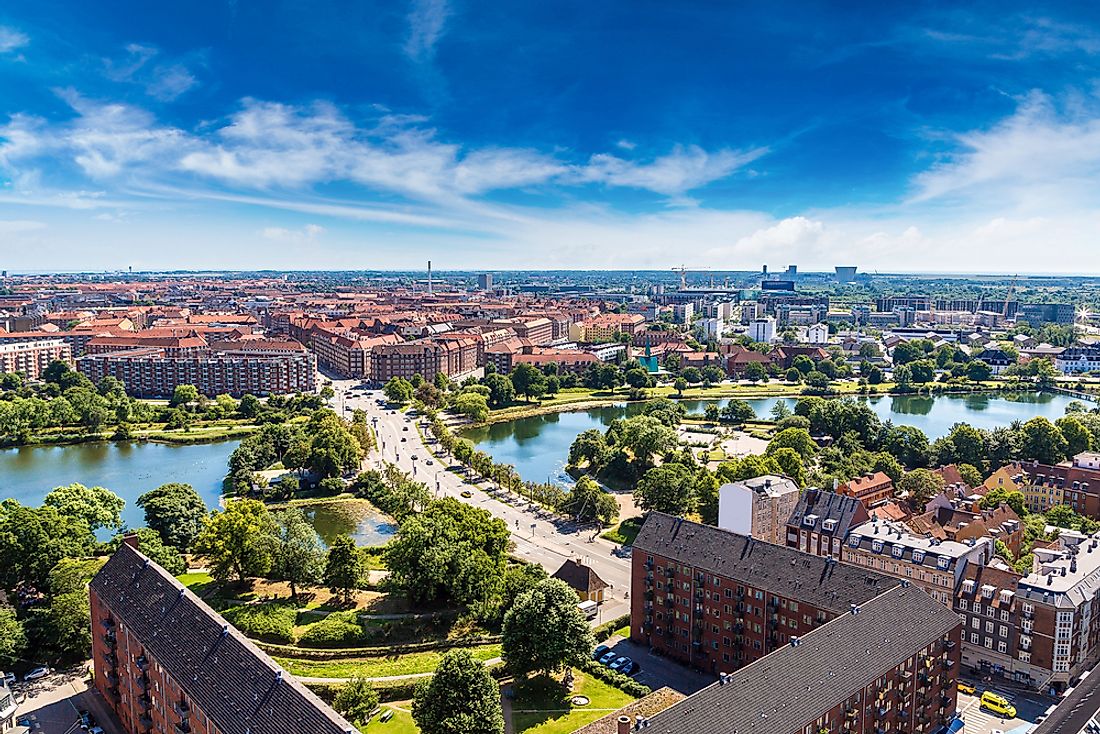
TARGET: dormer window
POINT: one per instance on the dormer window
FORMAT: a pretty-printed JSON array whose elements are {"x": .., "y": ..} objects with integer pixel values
[
  {"x": 876, "y": 546},
  {"x": 809, "y": 521},
  {"x": 918, "y": 556},
  {"x": 987, "y": 591},
  {"x": 942, "y": 563},
  {"x": 829, "y": 525},
  {"x": 897, "y": 551},
  {"x": 853, "y": 542},
  {"x": 968, "y": 586}
]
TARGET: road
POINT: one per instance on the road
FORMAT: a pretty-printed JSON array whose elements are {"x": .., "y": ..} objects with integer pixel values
[{"x": 539, "y": 537}]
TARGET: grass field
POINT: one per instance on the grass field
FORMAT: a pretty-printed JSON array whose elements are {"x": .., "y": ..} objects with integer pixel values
[
  {"x": 541, "y": 706},
  {"x": 379, "y": 667},
  {"x": 401, "y": 723},
  {"x": 625, "y": 532}
]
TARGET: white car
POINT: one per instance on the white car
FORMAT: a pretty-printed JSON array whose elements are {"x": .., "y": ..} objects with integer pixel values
[
  {"x": 40, "y": 672},
  {"x": 9, "y": 678}
]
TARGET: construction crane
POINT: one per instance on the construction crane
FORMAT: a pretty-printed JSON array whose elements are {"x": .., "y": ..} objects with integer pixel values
[
  {"x": 1008, "y": 296},
  {"x": 683, "y": 271}
]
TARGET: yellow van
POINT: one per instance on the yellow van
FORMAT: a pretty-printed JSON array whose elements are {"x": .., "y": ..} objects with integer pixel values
[{"x": 998, "y": 705}]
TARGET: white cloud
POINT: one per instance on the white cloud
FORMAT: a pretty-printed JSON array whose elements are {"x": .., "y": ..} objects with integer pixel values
[
  {"x": 426, "y": 22},
  {"x": 306, "y": 235},
  {"x": 12, "y": 40},
  {"x": 684, "y": 169},
  {"x": 165, "y": 81}
]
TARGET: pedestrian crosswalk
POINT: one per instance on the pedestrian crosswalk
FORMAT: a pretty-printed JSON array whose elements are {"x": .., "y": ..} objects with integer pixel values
[{"x": 980, "y": 721}]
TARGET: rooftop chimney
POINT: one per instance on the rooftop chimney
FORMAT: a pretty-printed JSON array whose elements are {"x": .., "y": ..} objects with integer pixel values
[
  {"x": 622, "y": 725},
  {"x": 131, "y": 539}
]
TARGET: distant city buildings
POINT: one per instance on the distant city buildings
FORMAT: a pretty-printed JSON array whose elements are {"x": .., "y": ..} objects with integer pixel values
[{"x": 32, "y": 357}]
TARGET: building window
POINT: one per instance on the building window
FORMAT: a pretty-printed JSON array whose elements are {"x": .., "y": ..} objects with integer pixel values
[
  {"x": 962, "y": 604},
  {"x": 918, "y": 556},
  {"x": 1002, "y": 647},
  {"x": 973, "y": 637}
]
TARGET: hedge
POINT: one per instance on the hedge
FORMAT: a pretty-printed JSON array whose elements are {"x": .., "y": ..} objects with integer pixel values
[
  {"x": 306, "y": 653},
  {"x": 604, "y": 631},
  {"x": 271, "y": 622},
  {"x": 336, "y": 630},
  {"x": 624, "y": 683}
]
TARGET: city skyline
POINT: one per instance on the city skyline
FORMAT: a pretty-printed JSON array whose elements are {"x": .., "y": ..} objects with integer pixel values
[{"x": 223, "y": 136}]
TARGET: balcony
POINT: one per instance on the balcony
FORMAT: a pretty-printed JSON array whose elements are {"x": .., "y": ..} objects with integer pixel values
[
  {"x": 649, "y": 565},
  {"x": 182, "y": 728},
  {"x": 111, "y": 659},
  {"x": 146, "y": 721},
  {"x": 142, "y": 682},
  {"x": 108, "y": 623},
  {"x": 182, "y": 709},
  {"x": 141, "y": 663},
  {"x": 110, "y": 640},
  {"x": 145, "y": 702}
]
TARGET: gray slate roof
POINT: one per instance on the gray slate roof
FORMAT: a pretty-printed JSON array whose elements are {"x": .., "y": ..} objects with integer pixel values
[
  {"x": 782, "y": 692},
  {"x": 777, "y": 569},
  {"x": 828, "y": 506},
  {"x": 237, "y": 686}
]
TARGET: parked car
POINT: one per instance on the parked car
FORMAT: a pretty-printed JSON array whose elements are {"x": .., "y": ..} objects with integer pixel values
[
  {"x": 607, "y": 658},
  {"x": 619, "y": 664},
  {"x": 600, "y": 651},
  {"x": 630, "y": 668},
  {"x": 404, "y": 428},
  {"x": 9, "y": 678},
  {"x": 965, "y": 688},
  {"x": 96, "y": 730},
  {"x": 40, "y": 672}
]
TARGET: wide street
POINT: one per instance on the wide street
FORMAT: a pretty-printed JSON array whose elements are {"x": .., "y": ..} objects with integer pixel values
[{"x": 539, "y": 536}]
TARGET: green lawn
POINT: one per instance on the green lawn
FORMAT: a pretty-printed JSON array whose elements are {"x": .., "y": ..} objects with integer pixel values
[
  {"x": 378, "y": 667},
  {"x": 401, "y": 723},
  {"x": 623, "y": 631},
  {"x": 197, "y": 582},
  {"x": 625, "y": 532},
  {"x": 542, "y": 707}
]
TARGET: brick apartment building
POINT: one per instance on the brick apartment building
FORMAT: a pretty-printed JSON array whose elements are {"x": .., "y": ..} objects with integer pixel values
[
  {"x": 871, "y": 489},
  {"x": 1075, "y": 483},
  {"x": 427, "y": 357},
  {"x": 889, "y": 664},
  {"x": 718, "y": 600},
  {"x": 149, "y": 373},
  {"x": 32, "y": 358},
  {"x": 347, "y": 354},
  {"x": 821, "y": 521},
  {"x": 935, "y": 565},
  {"x": 166, "y": 663}
]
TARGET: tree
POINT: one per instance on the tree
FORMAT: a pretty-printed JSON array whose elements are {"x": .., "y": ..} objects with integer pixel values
[
  {"x": 1078, "y": 437},
  {"x": 1042, "y": 441},
  {"x": 501, "y": 391},
  {"x": 184, "y": 395},
  {"x": 790, "y": 464},
  {"x": 460, "y": 698},
  {"x": 793, "y": 375},
  {"x": 692, "y": 375},
  {"x": 969, "y": 445},
  {"x": 34, "y": 539},
  {"x": 803, "y": 364},
  {"x": 667, "y": 488},
  {"x": 345, "y": 567},
  {"x": 356, "y": 700},
  {"x": 450, "y": 550},
  {"x": 921, "y": 485},
  {"x": 923, "y": 370},
  {"x": 13, "y": 638},
  {"x": 299, "y": 558},
  {"x": 713, "y": 374},
  {"x": 637, "y": 378},
  {"x": 680, "y": 384},
  {"x": 398, "y": 390},
  {"x": 794, "y": 438},
  {"x": 907, "y": 352},
  {"x": 472, "y": 405},
  {"x": 588, "y": 502},
  {"x": 970, "y": 474},
  {"x": 817, "y": 381},
  {"x": 238, "y": 541},
  {"x": 333, "y": 450},
  {"x": 545, "y": 631},
  {"x": 907, "y": 444},
  {"x": 528, "y": 380},
  {"x": 756, "y": 372},
  {"x": 1013, "y": 498},
  {"x": 250, "y": 406},
  {"x": 737, "y": 411},
  {"x": 176, "y": 511},
  {"x": 644, "y": 436},
  {"x": 98, "y": 507},
  {"x": 978, "y": 371},
  {"x": 591, "y": 447}
]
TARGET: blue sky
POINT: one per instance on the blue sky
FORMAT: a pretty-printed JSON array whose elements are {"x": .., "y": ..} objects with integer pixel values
[{"x": 243, "y": 134}]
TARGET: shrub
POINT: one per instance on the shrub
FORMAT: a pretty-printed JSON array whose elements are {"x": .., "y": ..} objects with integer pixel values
[
  {"x": 604, "y": 631},
  {"x": 624, "y": 683},
  {"x": 356, "y": 700},
  {"x": 273, "y": 622},
  {"x": 336, "y": 630}
]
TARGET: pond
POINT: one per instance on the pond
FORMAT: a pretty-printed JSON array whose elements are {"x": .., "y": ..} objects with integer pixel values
[
  {"x": 539, "y": 446},
  {"x": 129, "y": 469},
  {"x": 365, "y": 523}
]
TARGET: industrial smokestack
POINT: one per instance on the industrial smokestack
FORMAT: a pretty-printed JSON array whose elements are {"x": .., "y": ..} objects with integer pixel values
[{"x": 429, "y": 277}]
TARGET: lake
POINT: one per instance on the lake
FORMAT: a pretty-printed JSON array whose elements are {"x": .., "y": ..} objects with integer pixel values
[
  {"x": 365, "y": 523},
  {"x": 539, "y": 446},
  {"x": 129, "y": 469}
]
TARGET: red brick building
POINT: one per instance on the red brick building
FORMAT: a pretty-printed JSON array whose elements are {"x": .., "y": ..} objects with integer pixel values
[
  {"x": 871, "y": 489},
  {"x": 33, "y": 357},
  {"x": 166, "y": 663},
  {"x": 718, "y": 600},
  {"x": 887, "y": 665}
]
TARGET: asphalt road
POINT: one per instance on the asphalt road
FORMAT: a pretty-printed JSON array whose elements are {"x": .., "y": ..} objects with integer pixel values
[
  {"x": 539, "y": 537},
  {"x": 1079, "y": 709}
]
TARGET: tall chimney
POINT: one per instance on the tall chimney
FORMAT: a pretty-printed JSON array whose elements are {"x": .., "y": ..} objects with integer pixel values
[
  {"x": 429, "y": 277},
  {"x": 131, "y": 539},
  {"x": 622, "y": 725}
]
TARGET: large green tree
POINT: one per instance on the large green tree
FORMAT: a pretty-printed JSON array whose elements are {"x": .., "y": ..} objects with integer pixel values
[
  {"x": 299, "y": 558},
  {"x": 667, "y": 488},
  {"x": 1042, "y": 441},
  {"x": 13, "y": 638},
  {"x": 797, "y": 439},
  {"x": 588, "y": 502},
  {"x": 528, "y": 380},
  {"x": 176, "y": 511},
  {"x": 545, "y": 631},
  {"x": 451, "y": 550},
  {"x": 501, "y": 390},
  {"x": 34, "y": 539},
  {"x": 238, "y": 541},
  {"x": 356, "y": 700},
  {"x": 645, "y": 436},
  {"x": 922, "y": 485},
  {"x": 345, "y": 567},
  {"x": 97, "y": 506},
  {"x": 460, "y": 698},
  {"x": 1078, "y": 437}
]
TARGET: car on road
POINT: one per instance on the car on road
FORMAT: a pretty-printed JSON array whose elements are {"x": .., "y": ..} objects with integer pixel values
[
  {"x": 966, "y": 688},
  {"x": 403, "y": 439},
  {"x": 608, "y": 658},
  {"x": 600, "y": 651},
  {"x": 96, "y": 730},
  {"x": 467, "y": 494},
  {"x": 621, "y": 663},
  {"x": 429, "y": 462},
  {"x": 998, "y": 704},
  {"x": 87, "y": 721},
  {"x": 405, "y": 428}
]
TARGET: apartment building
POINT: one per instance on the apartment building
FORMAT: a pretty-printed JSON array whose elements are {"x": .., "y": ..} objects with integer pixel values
[
  {"x": 758, "y": 507},
  {"x": 871, "y": 489},
  {"x": 718, "y": 600},
  {"x": 539, "y": 331},
  {"x": 986, "y": 603},
  {"x": 821, "y": 521},
  {"x": 1075, "y": 483},
  {"x": 1078, "y": 359},
  {"x": 888, "y": 665},
  {"x": 606, "y": 327},
  {"x": 149, "y": 373},
  {"x": 172, "y": 345},
  {"x": 347, "y": 354},
  {"x": 451, "y": 355},
  {"x": 33, "y": 357},
  {"x": 166, "y": 663},
  {"x": 933, "y": 564}
]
